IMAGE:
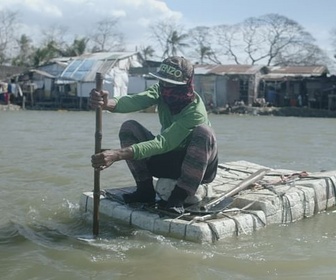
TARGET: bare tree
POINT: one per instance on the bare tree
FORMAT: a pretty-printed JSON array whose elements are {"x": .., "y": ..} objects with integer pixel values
[
  {"x": 8, "y": 24},
  {"x": 106, "y": 37},
  {"x": 301, "y": 54},
  {"x": 200, "y": 38},
  {"x": 170, "y": 37},
  {"x": 270, "y": 39},
  {"x": 227, "y": 42},
  {"x": 55, "y": 35},
  {"x": 53, "y": 44}
]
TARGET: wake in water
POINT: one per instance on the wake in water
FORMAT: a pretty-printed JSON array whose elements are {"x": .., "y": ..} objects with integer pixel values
[{"x": 72, "y": 229}]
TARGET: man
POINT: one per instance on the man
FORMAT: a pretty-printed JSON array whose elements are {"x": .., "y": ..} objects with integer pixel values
[{"x": 185, "y": 149}]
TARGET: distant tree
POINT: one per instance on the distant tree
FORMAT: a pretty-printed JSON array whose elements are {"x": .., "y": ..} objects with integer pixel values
[
  {"x": 8, "y": 27},
  {"x": 54, "y": 44},
  {"x": 40, "y": 56},
  {"x": 176, "y": 43},
  {"x": 54, "y": 37},
  {"x": 301, "y": 54},
  {"x": 271, "y": 39},
  {"x": 170, "y": 37},
  {"x": 77, "y": 48},
  {"x": 46, "y": 53},
  {"x": 147, "y": 52},
  {"x": 26, "y": 51},
  {"x": 200, "y": 38},
  {"x": 106, "y": 36},
  {"x": 226, "y": 42},
  {"x": 333, "y": 40}
]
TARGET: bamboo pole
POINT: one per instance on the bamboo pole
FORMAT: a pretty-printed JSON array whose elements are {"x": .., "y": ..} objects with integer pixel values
[{"x": 98, "y": 141}]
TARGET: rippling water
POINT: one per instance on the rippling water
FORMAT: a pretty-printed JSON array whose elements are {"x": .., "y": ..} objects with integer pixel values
[{"x": 45, "y": 166}]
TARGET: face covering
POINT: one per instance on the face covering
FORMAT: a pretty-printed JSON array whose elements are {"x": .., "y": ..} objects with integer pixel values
[{"x": 177, "y": 96}]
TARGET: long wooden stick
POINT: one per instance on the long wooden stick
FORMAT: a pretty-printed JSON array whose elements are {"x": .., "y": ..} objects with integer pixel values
[{"x": 98, "y": 141}]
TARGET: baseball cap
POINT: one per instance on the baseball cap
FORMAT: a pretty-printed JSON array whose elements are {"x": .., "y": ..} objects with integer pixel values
[{"x": 175, "y": 70}]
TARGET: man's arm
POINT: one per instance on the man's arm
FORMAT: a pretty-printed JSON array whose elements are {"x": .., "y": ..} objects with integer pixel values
[{"x": 106, "y": 158}]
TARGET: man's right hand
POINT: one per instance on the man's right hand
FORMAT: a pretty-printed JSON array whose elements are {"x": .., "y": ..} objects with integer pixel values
[{"x": 106, "y": 158}]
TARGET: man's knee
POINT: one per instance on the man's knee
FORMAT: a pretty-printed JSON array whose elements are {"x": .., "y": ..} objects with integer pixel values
[
  {"x": 203, "y": 130},
  {"x": 204, "y": 135},
  {"x": 128, "y": 126}
]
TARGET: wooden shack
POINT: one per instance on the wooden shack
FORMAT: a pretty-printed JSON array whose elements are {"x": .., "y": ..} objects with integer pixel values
[
  {"x": 296, "y": 85},
  {"x": 221, "y": 85}
]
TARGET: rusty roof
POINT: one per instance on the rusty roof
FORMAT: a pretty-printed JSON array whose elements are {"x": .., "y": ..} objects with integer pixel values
[
  {"x": 229, "y": 69},
  {"x": 7, "y": 72},
  {"x": 267, "y": 71},
  {"x": 297, "y": 71}
]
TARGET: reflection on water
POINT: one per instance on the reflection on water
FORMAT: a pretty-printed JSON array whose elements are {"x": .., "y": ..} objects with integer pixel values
[{"x": 45, "y": 166}]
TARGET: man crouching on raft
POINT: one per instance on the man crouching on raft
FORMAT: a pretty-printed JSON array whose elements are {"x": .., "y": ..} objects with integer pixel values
[{"x": 186, "y": 148}]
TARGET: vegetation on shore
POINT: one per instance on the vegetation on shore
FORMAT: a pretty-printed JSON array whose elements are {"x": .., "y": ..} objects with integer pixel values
[{"x": 270, "y": 39}]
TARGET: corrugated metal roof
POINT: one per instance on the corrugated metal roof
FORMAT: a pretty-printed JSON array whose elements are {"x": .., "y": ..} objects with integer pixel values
[
  {"x": 296, "y": 71},
  {"x": 42, "y": 73},
  {"x": 267, "y": 72},
  {"x": 107, "y": 55},
  {"x": 299, "y": 70},
  {"x": 7, "y": 72},
  {"x": 84, "y": 67},
  {"x": 231, "y": 69}
]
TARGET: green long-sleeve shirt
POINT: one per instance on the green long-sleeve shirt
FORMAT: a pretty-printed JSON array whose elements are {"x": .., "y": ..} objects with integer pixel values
[{"x": 175, "y": 129}]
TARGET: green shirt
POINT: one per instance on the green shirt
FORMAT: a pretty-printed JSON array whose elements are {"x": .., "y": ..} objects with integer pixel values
[{"x": 175, "y": 129}]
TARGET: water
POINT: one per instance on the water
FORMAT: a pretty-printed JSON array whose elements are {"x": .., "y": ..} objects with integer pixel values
[{"x": 45, "y": 166}]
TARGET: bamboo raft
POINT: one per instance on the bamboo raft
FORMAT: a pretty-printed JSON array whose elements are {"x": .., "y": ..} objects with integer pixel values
[{"x": 243, "y": 198}]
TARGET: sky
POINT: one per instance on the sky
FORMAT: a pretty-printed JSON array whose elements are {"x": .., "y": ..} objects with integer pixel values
[{"x": 318, "y": 17}]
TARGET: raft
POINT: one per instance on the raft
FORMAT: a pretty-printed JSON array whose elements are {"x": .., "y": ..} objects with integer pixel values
[{"x": 243, "y": 198}]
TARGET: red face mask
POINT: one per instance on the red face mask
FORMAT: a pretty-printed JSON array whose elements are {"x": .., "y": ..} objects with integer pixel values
[{"x": 177, "y": 96}]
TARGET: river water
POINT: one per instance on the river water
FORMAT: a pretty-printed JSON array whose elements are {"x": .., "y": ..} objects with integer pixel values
[{"x": 45, "y": 166}]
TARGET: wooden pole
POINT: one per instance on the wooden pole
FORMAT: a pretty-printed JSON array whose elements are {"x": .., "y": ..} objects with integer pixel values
[
  {"x": 256, "y": 176},
  {"x": 98, "y": 141}
]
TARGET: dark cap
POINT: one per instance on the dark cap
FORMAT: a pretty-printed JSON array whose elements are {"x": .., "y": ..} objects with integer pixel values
[{"x": 175, "y": 70}]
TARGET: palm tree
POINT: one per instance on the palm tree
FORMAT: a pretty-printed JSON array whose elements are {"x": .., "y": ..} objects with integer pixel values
[
  {"x": 45, "y": 54},
  {"x": 147, "y": 52},
  {"x": 175, "y": 43}
]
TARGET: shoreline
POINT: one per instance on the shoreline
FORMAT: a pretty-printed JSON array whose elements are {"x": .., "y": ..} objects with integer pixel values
[
  {"x": 277, "y": 111},
  {"x": 10, "y": 107},
  {"x": 239, "y": 110}
]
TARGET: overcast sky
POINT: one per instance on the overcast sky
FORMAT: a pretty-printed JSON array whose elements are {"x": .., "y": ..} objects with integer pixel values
[{"x": 80, "y": 16}]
